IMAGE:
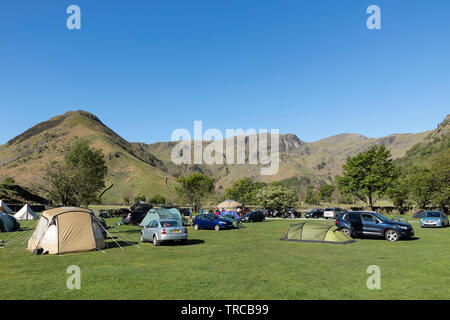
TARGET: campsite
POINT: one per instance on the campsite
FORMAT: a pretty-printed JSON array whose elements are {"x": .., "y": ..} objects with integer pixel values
[
  {"x": 253, "y": 261},
  {"x": 196, "y": 152}
]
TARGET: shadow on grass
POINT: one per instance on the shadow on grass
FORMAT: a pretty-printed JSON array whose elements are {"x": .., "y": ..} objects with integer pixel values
[
  {"x": 124, "y": 231},
  {"x": 190, "y": 242},
  {"x": 382, "y": 238},
  {"x": 116, "y": 244}
]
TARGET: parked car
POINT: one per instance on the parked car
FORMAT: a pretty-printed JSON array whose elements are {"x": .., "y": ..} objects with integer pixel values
[
  {"x": 253, "y": 216},
  {"x": 314, "y": 213},
  {"x": 134, "y": 218},
  {"x": 332, "y": 212},
  {"x": 211, "y": 221},
  {"x": 434, "y": 219},
  {"x": 270, "y": 213},
  {"x": 359, "y": 224},
  {"x": 291, "y": 213},
  {"x": 164, "y": 230}
]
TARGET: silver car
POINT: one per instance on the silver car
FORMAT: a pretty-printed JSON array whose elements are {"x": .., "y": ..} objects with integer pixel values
[{"x": 164, "y": 230}]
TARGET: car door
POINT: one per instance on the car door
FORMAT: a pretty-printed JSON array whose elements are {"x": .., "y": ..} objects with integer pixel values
[
  {"x": 371, "y": 226},
  {"x": 150, "y": 230},
  {"x": 354, "y": 219}
]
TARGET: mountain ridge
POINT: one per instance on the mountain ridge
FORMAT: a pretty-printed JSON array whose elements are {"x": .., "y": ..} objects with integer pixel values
[{"x": 137, "y": 168}]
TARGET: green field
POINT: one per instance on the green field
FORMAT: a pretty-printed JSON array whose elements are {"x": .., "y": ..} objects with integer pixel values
[{"x": 246, "y": 263}]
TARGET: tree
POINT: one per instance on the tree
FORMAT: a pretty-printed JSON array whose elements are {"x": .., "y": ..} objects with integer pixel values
[
  {"x": 421, "y": 186},
  {"x": 399, "y": 192},
  {"x": 326, "y": 192},
  {"x": 79, "y": 177},
  {"x": 311, "y": 196},
  {"x": 140, "y": 198},
  {"x": 276, "y": 197},
  {"x": 368, "y": 175},
  {"x": 244, "y": 190},
  {"x": 440, "y": 180},
  {"x": 194, "y": 188},
  {"x": 158, "y": 199}
]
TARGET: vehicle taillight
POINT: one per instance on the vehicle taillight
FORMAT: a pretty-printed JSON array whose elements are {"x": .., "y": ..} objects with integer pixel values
[
  {"x": 336, "y": 221},
  {"x": 163, "y": 231}
]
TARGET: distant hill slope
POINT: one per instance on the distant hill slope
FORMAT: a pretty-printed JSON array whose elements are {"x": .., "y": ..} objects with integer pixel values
[
  {"x": 131, "y": 170},
  {"x": 146, "y": 169}
]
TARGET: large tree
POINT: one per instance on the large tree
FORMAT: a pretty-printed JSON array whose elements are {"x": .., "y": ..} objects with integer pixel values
[
  {"x": 368, "y": 175},
  {"x": 194, "y": 189},
  {"x": 244, "y": 190},
  {"x": 276, "y": 197},
  {"x": 399, "y": 193},
  {"x": 440, "y": 179},
  {"x": 326, "y": 192},
  {"x": 78, "y": 177}
]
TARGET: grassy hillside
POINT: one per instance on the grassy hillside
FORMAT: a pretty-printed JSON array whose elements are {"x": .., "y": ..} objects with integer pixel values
[
  {"x": 132, "y": 171},
  {"x": 141, "y": 169}
]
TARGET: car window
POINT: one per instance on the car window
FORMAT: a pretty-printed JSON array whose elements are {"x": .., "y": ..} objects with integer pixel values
[
  {"x": 169, "y": 224},
  {"x": 432, "y": 214},
  {"x": 368, "y": 217},
  {"x": 354, "y": 216}
]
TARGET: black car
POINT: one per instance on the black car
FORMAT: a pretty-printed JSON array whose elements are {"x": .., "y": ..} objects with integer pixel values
[
  {"x": 291, "y": 213},
  {"x": 270, "y": 213},
  {"x": 134, "y": 218},
  {"x": 253, "y": 216},
  {"x": 314, "y": 213},
  {"x": 373, "y": 224}
]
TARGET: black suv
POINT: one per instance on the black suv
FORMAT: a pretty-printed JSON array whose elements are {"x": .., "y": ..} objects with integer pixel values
[
  {"x": 253, "y": 216},
  {"x": 314, "y": 213},
  {"x": 291, "y": 213},
  {"x": 372, "y": 224}
]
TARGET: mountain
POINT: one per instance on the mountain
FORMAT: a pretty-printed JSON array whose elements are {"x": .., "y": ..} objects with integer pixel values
[
  {"x": 146, "y": 169},
  {"x": 132, "y": 170}
]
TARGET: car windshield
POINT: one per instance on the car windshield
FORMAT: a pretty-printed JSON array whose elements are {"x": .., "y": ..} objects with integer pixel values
[
  {"x": 169, "y": 223},
  {"x": 380, "y": 216},
  {"x": 433, "y": 214},
  {"x": 328, "y": 209}
]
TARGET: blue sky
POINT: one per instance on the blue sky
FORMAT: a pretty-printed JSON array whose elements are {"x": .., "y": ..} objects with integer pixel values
[{"x": 146, "y": 68}]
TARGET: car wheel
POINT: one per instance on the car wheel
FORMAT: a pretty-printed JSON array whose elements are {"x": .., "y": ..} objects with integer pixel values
[
  {"x": 392, "y": 235},
  {"x": 346, "y": 231},
  {"x": 142, "y": 238},
  {"x": 183, "y": 241},
  {"x": 196, "y": 227},
  {"x": 217, "y": 227},
  {"x": 155, "y": 241}
]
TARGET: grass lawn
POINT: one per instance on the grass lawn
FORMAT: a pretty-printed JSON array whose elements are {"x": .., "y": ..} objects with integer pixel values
[{"x": 247, "y": 263}]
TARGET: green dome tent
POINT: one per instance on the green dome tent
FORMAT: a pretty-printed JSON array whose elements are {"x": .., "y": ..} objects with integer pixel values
[
  {"x": 8, "y": 223},
  {"x": 316, "y": 232},
  {"x": 155, "y": 214}
]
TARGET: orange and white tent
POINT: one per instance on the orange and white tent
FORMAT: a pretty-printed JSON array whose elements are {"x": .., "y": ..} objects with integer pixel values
[{"x": 67, "y": 229}]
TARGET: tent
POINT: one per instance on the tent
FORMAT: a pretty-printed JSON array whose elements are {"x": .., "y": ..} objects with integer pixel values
[
  {"x": 8, "y": 223},
  {"x": 67, "y": 229},
  {"x": 229, "y": 205},
  {"x": 316, "y": 232},
  {"x": 419, "y": 214},
  {"x": 4, "y": 208},
  {"x": 230, "y": 213},
  {"x": 155, "y": 214},
  {"x": 26, "y": 213}
]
